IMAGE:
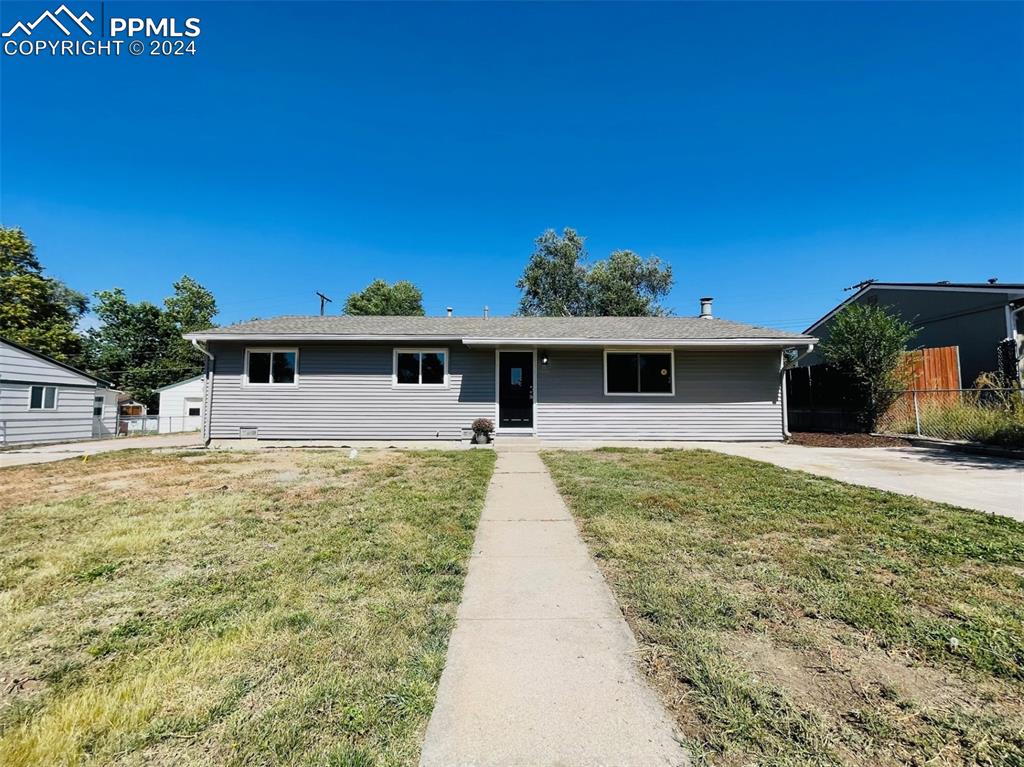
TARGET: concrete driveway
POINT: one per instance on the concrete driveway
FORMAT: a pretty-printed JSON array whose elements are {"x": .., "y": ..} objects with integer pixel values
[
  {"x": 993, "y": 485},
  {"x": 59, "y": 452}
]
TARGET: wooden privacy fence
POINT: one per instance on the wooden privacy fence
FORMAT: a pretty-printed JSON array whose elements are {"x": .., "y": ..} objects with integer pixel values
[
  {"x": 819, "y": 398},
  {"x": 935, "y": 368},
  {"x": 936, "y": 371}
]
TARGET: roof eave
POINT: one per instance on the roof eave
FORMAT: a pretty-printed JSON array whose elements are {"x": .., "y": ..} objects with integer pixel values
[
  {"x": 179, "y": 383},
  {"x": 1012, "y": 290},
  {"x": 203, "y": 337},
  {"x": 520, "y": 341},
  {"x": 674, "y": 342}
]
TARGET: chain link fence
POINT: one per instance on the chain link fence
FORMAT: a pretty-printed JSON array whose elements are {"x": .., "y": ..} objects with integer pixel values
[
  {"x": 54, "y": 430},
  {"x": 993, "y": 416},
  {"x": 138, "y": 425}
]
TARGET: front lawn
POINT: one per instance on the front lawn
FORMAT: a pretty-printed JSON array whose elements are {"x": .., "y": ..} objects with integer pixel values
[
  {"x": 793, "y": 620},
  {"x": 201, "y": 608}
]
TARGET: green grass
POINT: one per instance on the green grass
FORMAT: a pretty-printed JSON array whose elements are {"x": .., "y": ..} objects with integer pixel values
[
  {"x": 270, "y": 608},
  {"x": 793, "y": 620}
]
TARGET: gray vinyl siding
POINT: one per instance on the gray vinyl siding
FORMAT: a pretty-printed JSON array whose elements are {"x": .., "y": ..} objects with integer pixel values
[
  {"x": 18, "y": 365},
  {"x": 345, "y": 392},
  {"x": 72, "y": 418},
  {"x": 719, "y": 395}
]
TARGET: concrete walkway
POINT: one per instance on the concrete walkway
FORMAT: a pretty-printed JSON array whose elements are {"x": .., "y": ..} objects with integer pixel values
[
  {"x": 540, "y": 668},
  {"x": 47, "y": 453}
]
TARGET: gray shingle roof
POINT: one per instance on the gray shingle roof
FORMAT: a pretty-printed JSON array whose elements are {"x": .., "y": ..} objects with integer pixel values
[{"x": 501, "y": 328}]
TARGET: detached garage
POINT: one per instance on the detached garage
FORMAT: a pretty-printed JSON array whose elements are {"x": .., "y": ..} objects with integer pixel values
[{"x": 181, "y": 406}]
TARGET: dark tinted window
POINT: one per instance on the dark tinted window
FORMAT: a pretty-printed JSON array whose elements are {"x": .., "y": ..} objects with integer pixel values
[
  {"x": 408, "y": 371},
  {"x": 272, "y": 367},
  {"x": 284, "y": 367},
  {"x": 639, "y": 373},
  {"x": 622, "y": 373},
  {"x": 655, "y": 373},
  {"x": 193, "y": 411},
  {"x": 259, "y": 367},
  {"x": 36, "y": 401},
  {"x": 433, "y": 368}
]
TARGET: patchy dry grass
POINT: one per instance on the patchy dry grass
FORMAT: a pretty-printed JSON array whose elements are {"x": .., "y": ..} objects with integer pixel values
[
  {"x": 794, "y": 620},
  {"x": 199, "y": 608}
]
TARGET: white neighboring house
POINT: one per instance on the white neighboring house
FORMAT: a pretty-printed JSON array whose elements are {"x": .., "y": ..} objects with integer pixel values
[
  {"x": 43, "y": 400},
  {"x": 181, "y": 406}
]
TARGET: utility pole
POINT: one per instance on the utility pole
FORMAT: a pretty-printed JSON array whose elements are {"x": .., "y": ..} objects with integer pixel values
[{"x": 323, "y": 300}]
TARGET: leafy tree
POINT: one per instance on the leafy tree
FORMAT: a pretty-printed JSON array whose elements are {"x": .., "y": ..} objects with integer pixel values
[
  {"x": 192, "y": 307},
  {"x": 867, "y": 344},
  {"x": 624, "y": 285},
  {"x": 380, "y": 298},
  {"x": 127, "y": 347},
  {"x": 139, "y": 348},
  {"x": 36, "y": 311},
  {"x": 554, "y": 282},
  {"x": 558, "y": 281}
]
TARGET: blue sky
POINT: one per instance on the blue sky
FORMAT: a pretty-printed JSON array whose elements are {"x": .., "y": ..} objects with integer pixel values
[{"x": 772, "y": 153}]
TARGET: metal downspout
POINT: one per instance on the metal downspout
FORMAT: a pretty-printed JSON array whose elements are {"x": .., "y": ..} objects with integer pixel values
[
  {"x": 782, "y": 384},
  {"x": 1011, "y": 327},
  {"x": 208, "y": 369}
]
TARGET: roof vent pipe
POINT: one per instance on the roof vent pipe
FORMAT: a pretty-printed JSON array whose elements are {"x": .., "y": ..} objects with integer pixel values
[
  {"x": 487, "y": 312},
  {"x": 705, "y": 308},
  {"x": 449, "y": 310}
]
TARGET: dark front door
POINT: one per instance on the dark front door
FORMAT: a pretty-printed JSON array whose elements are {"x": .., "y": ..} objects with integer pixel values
[{"x": 515, "y": 389}]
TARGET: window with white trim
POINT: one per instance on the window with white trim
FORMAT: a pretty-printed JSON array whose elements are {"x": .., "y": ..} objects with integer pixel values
[
  {"x": 42, "y": 398},
  {"x": 641, "y": 372},
  {"x": 271, "y": 367},
  {"x": 420, "y": 367},
  {"x": 97, "y": 406}
]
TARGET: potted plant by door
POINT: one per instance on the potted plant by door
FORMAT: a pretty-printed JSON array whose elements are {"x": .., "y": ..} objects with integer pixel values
[{"x": 482, "y": 429}]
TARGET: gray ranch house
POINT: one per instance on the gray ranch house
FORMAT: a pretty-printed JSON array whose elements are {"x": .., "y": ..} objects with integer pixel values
[{"x": 427, "y": 378}]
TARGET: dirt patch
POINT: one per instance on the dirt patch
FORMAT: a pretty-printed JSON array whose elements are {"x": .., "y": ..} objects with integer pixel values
[
  {"x": 144, "y": 476},
  {"x": 889, "y": 702},
  {"x": 820, "y": 439},
  {"x": 838, "y": 677},
  {"x": 14, "y": 682}
]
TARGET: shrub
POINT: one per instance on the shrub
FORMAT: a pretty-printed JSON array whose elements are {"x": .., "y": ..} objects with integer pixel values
[{"x": 866, "y": 344}]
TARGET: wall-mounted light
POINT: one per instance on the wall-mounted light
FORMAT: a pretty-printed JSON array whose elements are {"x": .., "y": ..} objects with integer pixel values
[{"x": 543, "y": 358}]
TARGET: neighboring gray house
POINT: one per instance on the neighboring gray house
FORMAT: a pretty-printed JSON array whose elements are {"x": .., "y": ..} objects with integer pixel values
[
  {"x": 654, "y": 378},
  {"x": 43, "y": 400},
  {"x": 973, "y": 316}
]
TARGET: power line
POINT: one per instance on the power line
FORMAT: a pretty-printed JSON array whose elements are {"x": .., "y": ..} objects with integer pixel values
[
  {"x": 146, "y": 370},
  {"x": 323, "y": 300}
]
